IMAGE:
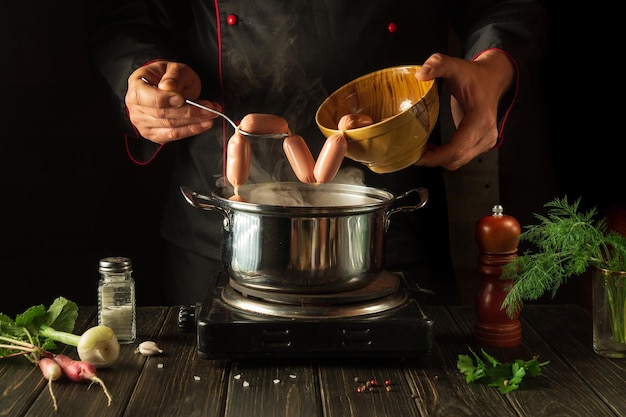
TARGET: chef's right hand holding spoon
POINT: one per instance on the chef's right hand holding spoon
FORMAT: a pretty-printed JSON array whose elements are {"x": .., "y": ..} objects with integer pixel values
[{"x": 160, "y": 114}]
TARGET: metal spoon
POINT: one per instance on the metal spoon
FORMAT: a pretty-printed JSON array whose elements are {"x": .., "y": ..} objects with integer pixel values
[{"x": 228, "y": 119}]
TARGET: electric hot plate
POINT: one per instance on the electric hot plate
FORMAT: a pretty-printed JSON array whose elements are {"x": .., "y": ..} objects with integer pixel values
[{"x": 384, "y": 319}]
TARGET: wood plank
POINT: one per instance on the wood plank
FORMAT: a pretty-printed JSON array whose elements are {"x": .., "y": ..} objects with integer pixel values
[
  {"x": 440, "y": 389},
  {"x": 340, "y": 380},
  {"x": 577, "y": 382},
  {"x": 557, "y": 391},
  {"x": 270, "y": 388},
  {"x": 177, "y": 382},
  {"x": 569, "y": 331}
]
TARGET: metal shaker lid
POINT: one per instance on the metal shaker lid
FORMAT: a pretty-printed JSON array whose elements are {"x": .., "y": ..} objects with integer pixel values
[{"x": 115, "y": 264}]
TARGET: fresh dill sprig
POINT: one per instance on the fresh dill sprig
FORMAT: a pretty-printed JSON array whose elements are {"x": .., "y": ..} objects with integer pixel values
[{"x": 567, "y": 242}]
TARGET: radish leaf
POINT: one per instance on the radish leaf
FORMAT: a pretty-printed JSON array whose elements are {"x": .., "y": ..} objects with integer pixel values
[{"x": 61, "y": 315}]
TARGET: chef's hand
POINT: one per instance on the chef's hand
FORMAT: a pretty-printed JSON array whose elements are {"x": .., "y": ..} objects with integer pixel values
[
  {"x": 160, "y": 114},
  {"x": 476, "y": 87}
]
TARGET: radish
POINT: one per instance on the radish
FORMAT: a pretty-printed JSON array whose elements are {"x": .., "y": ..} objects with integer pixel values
[
  {"x": 37, "y": 329},
  {"x": 51, "y": 371},
  {"x": 34, "y": 333},
  {"x": 81, "y": 371},
  {"x": 98, "y": 345}
]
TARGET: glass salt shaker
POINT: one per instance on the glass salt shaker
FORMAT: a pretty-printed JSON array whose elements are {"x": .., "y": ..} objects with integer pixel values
[{"x": 116, "y": 297}]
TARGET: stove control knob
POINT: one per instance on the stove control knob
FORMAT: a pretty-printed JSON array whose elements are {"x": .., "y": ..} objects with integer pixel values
[{"x": 187, "y": 316}]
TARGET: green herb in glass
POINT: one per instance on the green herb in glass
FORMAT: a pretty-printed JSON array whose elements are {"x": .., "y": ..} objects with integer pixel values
[{"x": 568, "y": 242}]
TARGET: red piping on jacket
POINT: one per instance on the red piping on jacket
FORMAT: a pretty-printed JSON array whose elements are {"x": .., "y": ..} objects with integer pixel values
[
  {"x": 220, "y": 69},
  {"x": 137, "y": 135},
  {"x": 508, "y": 110}
]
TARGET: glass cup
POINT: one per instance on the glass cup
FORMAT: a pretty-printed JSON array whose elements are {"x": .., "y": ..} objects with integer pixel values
[{"x": 609, "y": 313}]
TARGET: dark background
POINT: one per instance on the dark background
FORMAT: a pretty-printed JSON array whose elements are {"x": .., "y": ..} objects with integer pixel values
[{"x": 72, "y": 196}]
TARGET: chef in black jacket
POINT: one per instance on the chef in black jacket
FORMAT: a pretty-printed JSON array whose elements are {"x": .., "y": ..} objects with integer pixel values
[{"x": 284, "y": 58}]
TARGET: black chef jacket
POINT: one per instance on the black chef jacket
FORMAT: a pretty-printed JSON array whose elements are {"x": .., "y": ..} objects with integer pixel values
[{"x": 285, "y": 58}]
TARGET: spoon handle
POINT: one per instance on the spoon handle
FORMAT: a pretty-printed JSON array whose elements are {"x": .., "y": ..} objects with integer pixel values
[
  {"x": 193, "y": 103},
  {"x": 200, "y": 106},
  {"x": 228, "y": 119}
]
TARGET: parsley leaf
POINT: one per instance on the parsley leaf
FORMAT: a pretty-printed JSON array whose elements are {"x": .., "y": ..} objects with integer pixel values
[{"x": 506, "y": 377}]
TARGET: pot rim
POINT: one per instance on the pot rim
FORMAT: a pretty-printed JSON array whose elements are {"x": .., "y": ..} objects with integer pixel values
[{"x": 369, "y": 199}]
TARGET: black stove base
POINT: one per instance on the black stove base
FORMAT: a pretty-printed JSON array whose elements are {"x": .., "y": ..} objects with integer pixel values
[{"x": 225, "y": 332}]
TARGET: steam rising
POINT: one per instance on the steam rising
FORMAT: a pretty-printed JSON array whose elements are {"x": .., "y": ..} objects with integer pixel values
[{"x": 275, "y": 194}]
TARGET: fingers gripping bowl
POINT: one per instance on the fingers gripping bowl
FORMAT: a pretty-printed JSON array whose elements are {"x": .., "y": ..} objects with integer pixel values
[{"x": 403, "y": 108}]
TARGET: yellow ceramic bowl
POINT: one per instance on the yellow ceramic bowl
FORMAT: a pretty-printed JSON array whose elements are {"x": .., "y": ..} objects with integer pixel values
[{"x": 404, "y": 111}]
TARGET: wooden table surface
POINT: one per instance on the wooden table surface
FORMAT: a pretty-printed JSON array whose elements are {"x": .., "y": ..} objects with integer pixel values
[{"x": 576, "y": 382}]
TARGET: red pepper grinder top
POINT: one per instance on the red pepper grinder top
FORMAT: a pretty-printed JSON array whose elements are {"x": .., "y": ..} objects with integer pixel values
[
  {"x": 497, "y": 237},
  {"x": 498, "y": 233}
]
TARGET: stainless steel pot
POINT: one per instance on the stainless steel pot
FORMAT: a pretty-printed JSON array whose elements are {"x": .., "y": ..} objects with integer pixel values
[{"x": 300, "y": 238}]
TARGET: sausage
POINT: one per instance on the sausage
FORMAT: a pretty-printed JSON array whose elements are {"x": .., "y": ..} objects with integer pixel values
[
  {"x": 300, "y": 158},
  {"x": 238, "y": 160},
  {"x": 330, "y": 158},
  {"x": 263, "y": 124},
  {"x": 237, "y": 197},
  {"x": 354, "y": 121}
]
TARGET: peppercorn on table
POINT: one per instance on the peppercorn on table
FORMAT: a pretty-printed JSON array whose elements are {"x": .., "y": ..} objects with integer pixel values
[{"x": 576, "y": 382}]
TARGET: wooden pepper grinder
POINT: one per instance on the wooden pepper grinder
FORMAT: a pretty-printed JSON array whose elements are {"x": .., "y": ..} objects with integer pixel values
[{"x": 497, "y": 237}]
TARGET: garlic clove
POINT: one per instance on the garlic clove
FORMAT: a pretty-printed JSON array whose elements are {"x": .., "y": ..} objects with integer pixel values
[{"x": 148, "y": 348}]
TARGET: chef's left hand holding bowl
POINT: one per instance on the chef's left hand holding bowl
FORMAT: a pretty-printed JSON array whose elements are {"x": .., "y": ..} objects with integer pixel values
[{"x": 160, "y": 114}]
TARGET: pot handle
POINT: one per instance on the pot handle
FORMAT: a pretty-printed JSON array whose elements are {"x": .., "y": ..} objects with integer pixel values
[
  {"x": 423, "y": 194},
  {"x": 201, "y": 201}
]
